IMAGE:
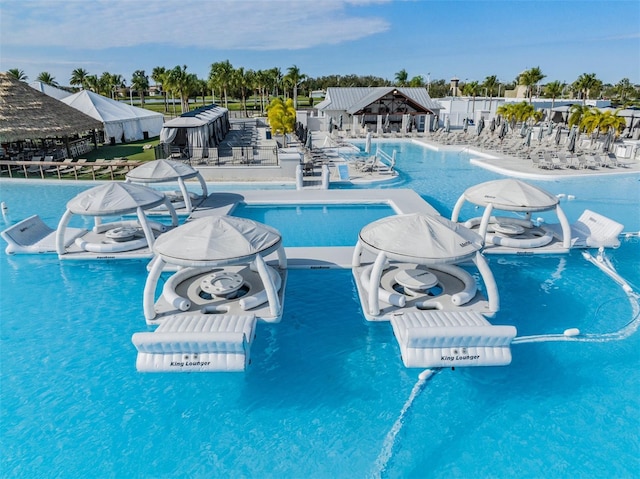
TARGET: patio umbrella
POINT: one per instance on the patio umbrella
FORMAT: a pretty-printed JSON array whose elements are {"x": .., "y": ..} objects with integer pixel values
[
  {"x": 330, "y": 124},
  {"x": 572, "y": 139},
  {"x": 550, "y": 128},
  {"x": 367, "y": 143},
  {"x": 503, "y": 130},
  {"x": 498, "y": 120},
  {"x": 340, "y": 123},
  {"x": 480, "y": 125},
  {"x": 527, "y": 140},
  {"x": 387, "y": 123},
  {"x": 465, "y": 124},
  {"x": 608, "y": 140},
  {"x": 558, "y": 134},
  {"x": 308, "y": 143},
  {"x": 492, "y": 125},
  {"x": 447, "y": 125},
  {"x": 436, "y": 120},
  {"x": 540, "y": 134},
  {"x": 635, "y": 132},
  {"x": 523, "y": 130}
]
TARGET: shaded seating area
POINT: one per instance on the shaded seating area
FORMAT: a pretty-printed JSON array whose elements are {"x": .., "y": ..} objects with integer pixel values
[
  {"x": 33, "y": 124},
  {"x": 190, "y": 135}
]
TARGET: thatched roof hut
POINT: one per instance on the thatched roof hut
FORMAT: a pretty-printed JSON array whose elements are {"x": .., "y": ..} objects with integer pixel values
[{"x": 26, "y": 113}]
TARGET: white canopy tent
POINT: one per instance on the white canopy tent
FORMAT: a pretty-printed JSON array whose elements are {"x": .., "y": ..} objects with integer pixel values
[
  {"x": 423, "y": 240},
  {"x": 114, "y": 199},
  {"x": 163, "y": 171},
  {"x": 122, "y": 122},
  {"x": 198, "y": 129},
  {"x": 215, "y": 242},
  {"x": 57, "y": 93},
  {"x": 512, "y": 195}
]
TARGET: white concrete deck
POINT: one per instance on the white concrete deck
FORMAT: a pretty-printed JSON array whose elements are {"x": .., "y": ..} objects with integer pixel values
[{"x": 403, "y": 201}]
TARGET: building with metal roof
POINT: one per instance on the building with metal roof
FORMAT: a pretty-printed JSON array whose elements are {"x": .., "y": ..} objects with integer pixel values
[{"x": 379, "y": 109}]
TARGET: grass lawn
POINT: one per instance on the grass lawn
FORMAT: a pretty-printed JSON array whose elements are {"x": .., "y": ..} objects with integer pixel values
[{"x": 132, "y": 151}]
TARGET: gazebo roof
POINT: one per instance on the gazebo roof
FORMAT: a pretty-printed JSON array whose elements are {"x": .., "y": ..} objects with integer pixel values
[
  {"x": 26, "y": 113},
  {"x": 353, "y": 99}
]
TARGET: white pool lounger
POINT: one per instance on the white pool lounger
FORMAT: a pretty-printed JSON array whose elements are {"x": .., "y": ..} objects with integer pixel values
[
  {"x": 197, "y": 343},
  {"x": 434, "y": 339},
  {"x": 32, "y": 235}
]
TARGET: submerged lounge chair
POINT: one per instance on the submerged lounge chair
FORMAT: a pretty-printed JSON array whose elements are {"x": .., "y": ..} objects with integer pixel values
[
  {"x": 213, "y": 342},
  {"x": 429, "y": 339}
]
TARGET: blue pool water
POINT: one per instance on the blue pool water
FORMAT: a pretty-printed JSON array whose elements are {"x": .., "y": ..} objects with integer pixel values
[
  {"x": 315, "y": 225},
  {"x": 326, "y": 394}
]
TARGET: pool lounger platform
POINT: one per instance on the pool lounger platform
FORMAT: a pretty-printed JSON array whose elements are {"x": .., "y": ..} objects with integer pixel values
[
  {"x": 32, "y": 235},
  {"x": 197, "y": 343},
  {"x": 436, "y": 339}
]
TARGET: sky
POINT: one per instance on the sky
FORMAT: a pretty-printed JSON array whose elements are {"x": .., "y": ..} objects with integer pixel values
[{"x": 469, "y": 40}]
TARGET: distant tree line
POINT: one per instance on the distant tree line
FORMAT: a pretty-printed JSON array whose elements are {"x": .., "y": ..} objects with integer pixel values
[{"x": 227, "y": 83}]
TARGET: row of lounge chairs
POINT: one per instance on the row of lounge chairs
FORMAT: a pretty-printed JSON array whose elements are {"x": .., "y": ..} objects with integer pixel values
[
  {"x": 543, "y": 153},
  {"x": 560, "y": 159},
  {"x": 69, "y": 167}
]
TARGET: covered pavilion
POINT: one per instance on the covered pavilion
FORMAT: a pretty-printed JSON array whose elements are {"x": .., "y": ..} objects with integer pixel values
[{"x": 28, "y": 116}]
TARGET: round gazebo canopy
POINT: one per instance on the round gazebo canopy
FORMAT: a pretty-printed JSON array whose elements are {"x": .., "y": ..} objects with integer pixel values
[
  {"x": 217, "y": 240},
  {"x": 113, "y": 199},
  {"x": 511, "y": 195},
  {"x": 160, "y": 171},
  {"x": 419, "y": 238}
]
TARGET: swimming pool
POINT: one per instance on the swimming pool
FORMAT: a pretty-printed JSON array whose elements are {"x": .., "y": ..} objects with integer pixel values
[
  {"x": 326, "y": 394},
  {"x": 315, "y": 225}
]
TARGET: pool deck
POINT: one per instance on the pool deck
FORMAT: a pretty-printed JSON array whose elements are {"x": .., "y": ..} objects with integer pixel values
[
  {"x": 403, "y": 201},
  {"x": 523, "y": 167}
]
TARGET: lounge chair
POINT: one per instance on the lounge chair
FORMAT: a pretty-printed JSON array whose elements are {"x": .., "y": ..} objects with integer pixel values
[
  {"x": 613, "y": 159},
  {"x": 590, "y": 162},
  {"x": 37, "y": 167},
  {"x": 552, "y": 160},
  {"x": 541, "y": 162}
]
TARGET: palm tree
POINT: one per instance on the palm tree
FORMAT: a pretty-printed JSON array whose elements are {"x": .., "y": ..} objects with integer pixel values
[
  {"x": 490, "y": 83},
  {"x": 203, "y": 89},
  {"x": 221, "y": 75},
  {"x": 275, "y": 80},
  {"x": 623, "y": 90},
  {"x": 158, "y": 75},
  {"x": 612, "y": 120},
  {"x": 18, "y": 74},
  {"x": 402, "y": 77},
  {"x": 261, "y": 81},
  {"x": 417, "y": 81},
  {"x": 47, "y": 79},
  {"x": 575, "y": 114},
  {"x": 553, "y": 90},
  {"x": 242, "y": 81},
  {"x": 93, "y": 83},
  {"x": 518, "y": 112},
  {"x": 294, "y": 77},
  {"x": 140, "y": 82},
  {"x": 596, "y": 120},
  {"x": 585, "y": 84},
  {"x": 182, "y": 84},
  {"x": 282, "y": 117},
  {"x": 472, "y": 89},
  {"x": 530, "y": 78},
  {"x": 110, "y": 83},
  {"x": 79, "y": 78}
]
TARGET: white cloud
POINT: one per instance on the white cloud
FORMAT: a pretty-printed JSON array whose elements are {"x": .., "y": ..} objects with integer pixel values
[{"x": 221, "y": 24}]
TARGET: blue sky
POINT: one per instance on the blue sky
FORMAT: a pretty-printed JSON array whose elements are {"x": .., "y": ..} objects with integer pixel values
[{"x": 439, "y": 39}]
